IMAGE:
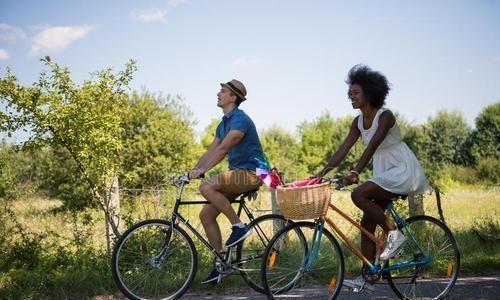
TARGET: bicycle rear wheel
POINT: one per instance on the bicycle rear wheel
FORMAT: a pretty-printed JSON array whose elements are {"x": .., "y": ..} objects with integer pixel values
[
  {"x": 435, "y": 279},
  {"x": 290, "y": 261},
  {"x": 141, "y": 272},
  {"x": 249, "y": 252}
]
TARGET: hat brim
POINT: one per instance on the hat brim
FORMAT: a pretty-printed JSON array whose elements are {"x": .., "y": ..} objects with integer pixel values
[{"x": 234, "y": 91}]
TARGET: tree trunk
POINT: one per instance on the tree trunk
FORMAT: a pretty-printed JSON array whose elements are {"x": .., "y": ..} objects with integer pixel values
[{"x": 416, "y": 205}]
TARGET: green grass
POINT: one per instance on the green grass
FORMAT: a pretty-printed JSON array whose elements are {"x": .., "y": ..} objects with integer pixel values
[{"x": 51, "y": 254}]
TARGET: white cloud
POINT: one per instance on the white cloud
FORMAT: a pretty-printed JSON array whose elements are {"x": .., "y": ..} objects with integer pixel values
[
  {"x": 11, "y": 33},
  {"x": 57, "y": 38},
  {"x": 245, "y": 62},
  {"x": 149, "y": 15},
  {"x": 3, "y": 54}
]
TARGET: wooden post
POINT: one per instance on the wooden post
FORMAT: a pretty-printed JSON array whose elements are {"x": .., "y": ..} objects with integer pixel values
[
  {"x": 277, "y": 225},
  {"x": 416, "y": 205},
  {"x": 113, "y": 215}
]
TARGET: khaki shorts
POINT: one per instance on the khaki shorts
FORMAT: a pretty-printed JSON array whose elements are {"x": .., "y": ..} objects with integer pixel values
[{"x": 235, "y": 182}]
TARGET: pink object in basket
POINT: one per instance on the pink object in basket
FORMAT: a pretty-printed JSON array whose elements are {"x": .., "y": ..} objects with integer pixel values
[{"x": 305, "y": 182}]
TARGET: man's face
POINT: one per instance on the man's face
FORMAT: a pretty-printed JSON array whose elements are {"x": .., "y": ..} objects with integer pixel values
[{"x": 224, "y": 97}]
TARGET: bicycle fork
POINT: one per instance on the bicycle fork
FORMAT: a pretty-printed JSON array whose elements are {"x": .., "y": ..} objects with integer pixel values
[{"x": 312, "y": 254}]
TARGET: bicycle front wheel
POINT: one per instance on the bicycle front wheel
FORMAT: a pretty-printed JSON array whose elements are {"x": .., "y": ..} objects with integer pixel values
[
  {"x": 249, "y": 252},
  {"x": 435, "y": 279},
  {"x": 292, "y": 260},
  {"x": 152, "y": 261}
]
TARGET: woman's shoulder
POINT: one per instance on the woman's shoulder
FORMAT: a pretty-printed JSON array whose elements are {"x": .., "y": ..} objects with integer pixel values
[
  {"x": 386, "y": 116},
  {"x": 386, "y": 112}
]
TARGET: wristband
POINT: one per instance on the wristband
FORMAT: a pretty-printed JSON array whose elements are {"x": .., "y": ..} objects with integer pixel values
[{"x": 355, "y": 172}]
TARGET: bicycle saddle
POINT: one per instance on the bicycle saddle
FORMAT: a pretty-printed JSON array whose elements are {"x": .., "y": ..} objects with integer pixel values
[{"x": 251, "y": 195}]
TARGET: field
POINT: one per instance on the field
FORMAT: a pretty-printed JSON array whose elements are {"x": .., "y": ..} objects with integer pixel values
[{"x": 50, "y": 253}]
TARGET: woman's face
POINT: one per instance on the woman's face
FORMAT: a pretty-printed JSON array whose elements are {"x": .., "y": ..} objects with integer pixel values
[{"x": 356, "y": 96}]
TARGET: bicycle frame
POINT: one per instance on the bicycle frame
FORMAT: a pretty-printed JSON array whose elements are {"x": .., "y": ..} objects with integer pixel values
[
  {"x": 176, "y": 217},
  {"x": 419, "y": 255}
]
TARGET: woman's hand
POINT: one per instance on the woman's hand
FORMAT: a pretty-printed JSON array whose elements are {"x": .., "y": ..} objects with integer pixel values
[{"x": 350, "y": 178}]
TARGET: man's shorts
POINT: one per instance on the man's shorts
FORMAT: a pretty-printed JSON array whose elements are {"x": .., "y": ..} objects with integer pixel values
[{"x": 235, "y": 182}]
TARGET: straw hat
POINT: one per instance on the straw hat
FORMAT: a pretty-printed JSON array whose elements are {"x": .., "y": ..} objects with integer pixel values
[{"x": 236, "y": 87}]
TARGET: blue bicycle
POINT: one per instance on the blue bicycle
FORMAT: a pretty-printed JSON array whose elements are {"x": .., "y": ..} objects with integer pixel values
[{"x": 307, "y": 255}]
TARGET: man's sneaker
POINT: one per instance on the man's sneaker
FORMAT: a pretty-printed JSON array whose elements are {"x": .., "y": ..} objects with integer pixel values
[
  {"x": 213, "y": 277},
  {"x": 394, "y": 243},
  {"x": 238, "y": 235},
  {"x": 359, "y": 284}
]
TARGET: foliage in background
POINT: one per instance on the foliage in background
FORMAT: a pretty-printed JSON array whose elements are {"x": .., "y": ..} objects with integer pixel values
[
  {"x": 158, "y": 139},
  {"x": 486, "y": 135},
  {"x": 282, "y": 150},
  {"x": 320, "y": 138},
  {"x": 85, "y": 120}
]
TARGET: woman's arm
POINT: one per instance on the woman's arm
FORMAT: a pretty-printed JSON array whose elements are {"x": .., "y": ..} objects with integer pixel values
[
  {"x": 385, "y": 122},
  {"x": 342, "y": 151}
]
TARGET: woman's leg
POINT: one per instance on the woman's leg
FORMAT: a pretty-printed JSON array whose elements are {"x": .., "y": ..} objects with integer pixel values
[
  {"x": 363, "y": 197},
  {"x": 367, "y": 245}
]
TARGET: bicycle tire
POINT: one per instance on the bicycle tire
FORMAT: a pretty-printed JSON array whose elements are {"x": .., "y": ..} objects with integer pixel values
[
  {"x": 136, "y": 273},
  {"x": 435, "y": 279},
  {"x": 282, "y": 261},
  {"x": 249, "y": 252}
]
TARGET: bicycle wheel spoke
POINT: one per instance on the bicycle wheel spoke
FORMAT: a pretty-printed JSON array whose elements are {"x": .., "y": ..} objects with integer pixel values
[
  {"x": 139, "y": 270},
  {"x": 436, "y": 278},
  {"x": 287, "y": 254},
  {"x": 250, "y": 251}
]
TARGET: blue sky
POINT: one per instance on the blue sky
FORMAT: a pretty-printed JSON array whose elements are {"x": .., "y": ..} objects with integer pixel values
[{"x": 293, "y": 56}]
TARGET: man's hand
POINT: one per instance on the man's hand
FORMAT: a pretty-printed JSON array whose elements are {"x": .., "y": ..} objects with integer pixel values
[{"x": 196, "y": 173}]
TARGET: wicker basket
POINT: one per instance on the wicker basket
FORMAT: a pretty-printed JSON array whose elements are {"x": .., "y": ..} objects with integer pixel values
[{"x": 305, "y": 202}]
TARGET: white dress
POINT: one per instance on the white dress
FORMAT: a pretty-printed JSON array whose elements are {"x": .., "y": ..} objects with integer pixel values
[{"x": 395, "y": 167}]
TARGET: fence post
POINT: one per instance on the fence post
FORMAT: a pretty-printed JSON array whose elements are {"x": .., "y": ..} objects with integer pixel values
[{"x": 416, "y": 205}]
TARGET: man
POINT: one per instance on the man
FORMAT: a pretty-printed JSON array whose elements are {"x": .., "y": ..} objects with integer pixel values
[{"x": 235, "y": 136}]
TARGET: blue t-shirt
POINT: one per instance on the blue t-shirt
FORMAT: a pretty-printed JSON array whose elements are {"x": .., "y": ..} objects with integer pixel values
[{"x": 243, "y": 155}]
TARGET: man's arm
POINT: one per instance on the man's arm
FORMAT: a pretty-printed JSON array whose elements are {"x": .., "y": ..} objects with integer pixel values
[
  {"x": 214, "y": 156},
  {"x": 216, "y": 142}
]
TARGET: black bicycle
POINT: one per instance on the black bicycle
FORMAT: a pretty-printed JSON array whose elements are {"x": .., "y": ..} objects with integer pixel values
[{"x": 157, "y": 259}]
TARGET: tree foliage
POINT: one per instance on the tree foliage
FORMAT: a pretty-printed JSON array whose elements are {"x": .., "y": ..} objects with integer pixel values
[
  {"x": 281, "y": 148},
  {"x": 86, "y": 120},
  {"x": 320, "y": 138},
  {"x": 157, "y": 140},
  {"x": 486, "y": 136},
  {"x": 447, "y": 138}
]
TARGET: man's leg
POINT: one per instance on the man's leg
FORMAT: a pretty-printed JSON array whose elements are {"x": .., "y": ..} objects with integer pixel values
[
  {"x": 219, "y": 201},
  {"x": 208, "y": 217}
]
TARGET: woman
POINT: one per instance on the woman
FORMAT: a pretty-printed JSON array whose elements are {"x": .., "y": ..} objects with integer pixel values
[{"x": 396, "y": 170}]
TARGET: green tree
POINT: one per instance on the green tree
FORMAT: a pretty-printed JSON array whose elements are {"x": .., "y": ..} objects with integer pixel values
[
  {"x": 6, "y": 179},
  {"x": 447, "y": 139},
  {"x": 158, "y": 140},
  {"x": 281, "y": 148},
  {"x": 85, "y": 120},
  {"x": 321, "y": 137},
  {"x": 486, "y": 136}
]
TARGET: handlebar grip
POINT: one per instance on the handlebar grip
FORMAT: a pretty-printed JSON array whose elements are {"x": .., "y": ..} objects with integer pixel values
[{"x": 202, "y": 175}]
